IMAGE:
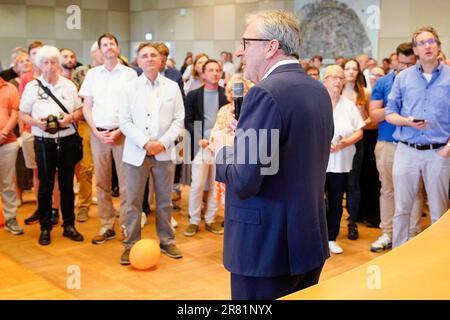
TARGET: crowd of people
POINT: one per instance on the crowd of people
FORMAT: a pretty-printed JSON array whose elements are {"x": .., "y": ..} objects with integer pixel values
[{"x": 388, "y": 156}]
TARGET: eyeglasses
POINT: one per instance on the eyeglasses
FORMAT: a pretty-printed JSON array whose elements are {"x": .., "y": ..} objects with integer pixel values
[
  {"x": 375, "y": 76},
  {"x": 334, "y": 78},
  {"x": 430, "y": 41},
  {"x": 245, "y": 41}
]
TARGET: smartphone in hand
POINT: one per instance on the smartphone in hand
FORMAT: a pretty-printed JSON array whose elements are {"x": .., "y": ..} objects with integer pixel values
[{"x": 419, "y": 120}]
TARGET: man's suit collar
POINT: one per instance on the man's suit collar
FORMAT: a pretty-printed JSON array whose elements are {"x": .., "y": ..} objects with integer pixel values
[{"x": 279, "y": 64}]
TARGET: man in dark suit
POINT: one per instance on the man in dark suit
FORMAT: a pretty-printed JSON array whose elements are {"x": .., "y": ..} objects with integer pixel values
[{"x": 275, "y": 240}]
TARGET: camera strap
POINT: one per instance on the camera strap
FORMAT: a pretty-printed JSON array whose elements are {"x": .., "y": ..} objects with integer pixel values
[{"x": 59, "y": 103}]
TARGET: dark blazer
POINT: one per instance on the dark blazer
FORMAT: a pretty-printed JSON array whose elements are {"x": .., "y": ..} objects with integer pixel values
[
  {"x": 175, "y": 75},
  {"x": 194, "y": 112},
  {"x": 275, "y": 225},
  {"x": 8, "y": 74}
]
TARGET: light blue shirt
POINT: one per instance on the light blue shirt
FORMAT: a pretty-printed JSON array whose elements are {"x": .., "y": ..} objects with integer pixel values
[{"x": 413, "y": 96}]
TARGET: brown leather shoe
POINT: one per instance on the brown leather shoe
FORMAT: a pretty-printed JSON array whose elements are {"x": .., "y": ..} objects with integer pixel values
[{"x": 102, "y": 238}]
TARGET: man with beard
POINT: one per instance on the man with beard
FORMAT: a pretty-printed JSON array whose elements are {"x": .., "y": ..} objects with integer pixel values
[{"x": 70, "y": 62}]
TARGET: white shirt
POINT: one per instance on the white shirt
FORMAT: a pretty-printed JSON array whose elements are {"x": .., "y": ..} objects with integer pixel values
[
  {"x": 278, "y": 64},
  {"x": 347, "y": 120},
  {"x": 150, "y": 112},
  {"x": 39, "y": 105},
  {"x": 106, "y": 87}
]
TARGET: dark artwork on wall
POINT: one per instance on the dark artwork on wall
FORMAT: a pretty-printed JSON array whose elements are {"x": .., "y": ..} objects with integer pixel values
[{"x": 334, "y": 28}]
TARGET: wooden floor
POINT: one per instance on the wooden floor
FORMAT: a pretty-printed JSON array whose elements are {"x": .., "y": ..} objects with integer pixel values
[{"x": 31, "y": 271}]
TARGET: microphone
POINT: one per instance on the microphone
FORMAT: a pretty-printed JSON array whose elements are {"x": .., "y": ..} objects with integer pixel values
[{"x": 238, "y": 94}]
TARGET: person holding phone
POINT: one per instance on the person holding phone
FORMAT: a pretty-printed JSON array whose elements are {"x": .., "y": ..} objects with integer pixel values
[{"x": 419, "y": 106}]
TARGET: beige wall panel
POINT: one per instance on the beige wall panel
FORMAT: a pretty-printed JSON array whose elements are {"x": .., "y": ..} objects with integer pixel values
[
  {"x": 142, "y": 23},
  {"x": 204, "y": 46},
  {"x": 184, "y": 26},
  {"x": 271, "y": 5},
  {"x": 8, "y": 44},
  {"x": 119, "y": 24},
  {"x": 204, "y": 23},
  {"x": 219, "y": 2},
  {"x": 395, "y": 18},
  {"x": 197, "y": 3},
  {"x": 224, "y": 22},
  {"x": 95, "y": 4},
  {"x": 386, "y": 46},
  {"x": 241, "y": 13},
  {"x": 94, "y": 23},
  {"x": 40, "y": 22},
  {"x": 166, "y": 25},
  {"x": 119, "y": 5},
  {"x": 45, "y": 3},
  {"x": 12, "y": 21},
  {"x": 66, "y": 3},
  {"x": 166, "y": 4}
]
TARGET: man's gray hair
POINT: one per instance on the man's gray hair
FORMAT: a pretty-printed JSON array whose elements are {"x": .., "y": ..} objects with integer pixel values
[
  {"x": 279, "y": 25},
  {"x": 94, "y": 47},
  {"x": 48, "y": 52}
]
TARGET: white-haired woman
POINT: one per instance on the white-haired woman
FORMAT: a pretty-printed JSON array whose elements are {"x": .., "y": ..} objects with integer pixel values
[
  {"x": 348, "y": 124},
  {"x": 55, "y": 142}
]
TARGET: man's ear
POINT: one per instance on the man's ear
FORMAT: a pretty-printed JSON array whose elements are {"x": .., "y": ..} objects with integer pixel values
[
  {"x": 272, "y": 48},
  {"x": 415, "y": 51}
]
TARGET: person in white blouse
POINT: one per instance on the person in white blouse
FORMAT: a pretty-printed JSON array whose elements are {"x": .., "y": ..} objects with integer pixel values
[
  {"x": 102, "y": 88},
  {"x": 54, "y": 150},
  {"x": 151, "y": 118},
  {"x": 348, "y": 125}
]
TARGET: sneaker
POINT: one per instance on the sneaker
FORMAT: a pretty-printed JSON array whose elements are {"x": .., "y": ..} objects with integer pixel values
[
  {"x": 171, "y": 251},
  {"x": 352, "y": 231},
  {"x": 214, "y": 228},
  {"x": 102, "y": 238},
  {"x": 13, "y": 227},
  {"x": 173, "y": 222},
  {"x": 34, "y": 218},
  {"x": 55, "y": 217},
  {"x": 83, "y": 214},
  {"x": 382, "y": 243},
  {"x": 143, "y": 219},
  {"x": 176, "y": 195},
  {"x": 334, "y": 247},
  {"x": 191, "y": 230},
  {"x": 125, "y": 257}
]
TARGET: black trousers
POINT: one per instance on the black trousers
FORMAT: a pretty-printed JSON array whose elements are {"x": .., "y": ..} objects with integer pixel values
[
  {"x": 255, "y": 288},
  {"x": 335, "y": 186},
  {"x": 49, "y": 157}
]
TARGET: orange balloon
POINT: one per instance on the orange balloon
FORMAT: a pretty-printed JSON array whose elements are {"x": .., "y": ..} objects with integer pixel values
[{"x": 145, "y": 254}]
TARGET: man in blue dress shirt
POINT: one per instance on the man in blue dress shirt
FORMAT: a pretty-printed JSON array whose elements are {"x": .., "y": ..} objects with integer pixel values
[{"x": 419, "y": 105}]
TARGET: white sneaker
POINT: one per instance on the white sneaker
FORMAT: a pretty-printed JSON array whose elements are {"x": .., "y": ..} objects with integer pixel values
[
  {"x": 143, "y": 219},
  {"x": 382, "y": 243},
  {"x": 173, "y": 222},
  {"x": 334, "y": 247}
]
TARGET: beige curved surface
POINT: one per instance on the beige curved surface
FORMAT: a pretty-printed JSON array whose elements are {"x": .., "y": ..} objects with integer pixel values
[{"x": 419, "y": 269}]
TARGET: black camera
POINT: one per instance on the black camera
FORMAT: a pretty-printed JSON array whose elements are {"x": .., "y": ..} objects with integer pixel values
[{"x": 52, "y": 124}]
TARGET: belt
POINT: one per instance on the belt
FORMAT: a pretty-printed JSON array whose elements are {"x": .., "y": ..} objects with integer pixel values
[
  {"x": 53, "y": 140},
  {"x": 109, "y": 130},
  {"x": 422, "y": 147}
]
